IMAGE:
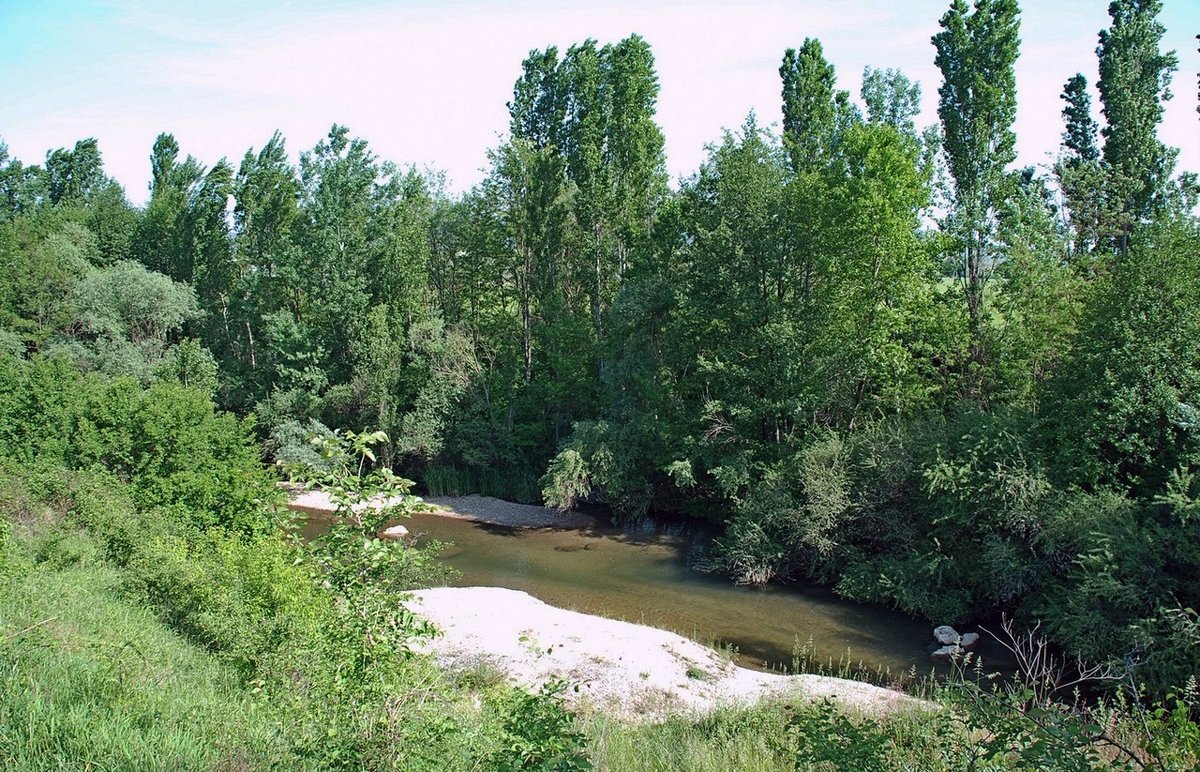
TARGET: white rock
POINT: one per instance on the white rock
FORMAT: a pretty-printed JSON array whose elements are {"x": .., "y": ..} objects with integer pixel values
[
  {"x": 945, "y": 635},
  {"x": 946, "y": 653},
  {"x": 969, "y": 641},
  {"x": 395, "y": 533}
]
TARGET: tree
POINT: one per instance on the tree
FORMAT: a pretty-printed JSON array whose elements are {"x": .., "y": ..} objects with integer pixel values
[
  {"x": 266, "y": 196},
  {"x": 1135, "y": 78},
  {"x": 1038, "y": 297},
  {"x": 532, "y": 192},
  {"x": 156, "y": 238},
  {"x": 634, "y": 149},
  {"x": 38, "y": 283},
  {"x": 875, "y": 283},
  {"x": 1079, "y": 136},
  {"x": 398, "y": 265},
  {"x": 74, "y": 175},
  {"x": 809, "y": 105},
  {"x": 183, "y": 232},
  {"x": 539, "y": 105},
  {"x": 527, "y": 189},
  {"x": 127, "y": 301},
  {"x": 1080, "y": 172},
  {"x": 129, "y": 321},
  {"x": 204, "y": 231},
  {"x": 891, "y": 99},
  {"x": 379, "y": 367},
  {"x": 1126, "y": 399},
  {"x": 21, "y": 187},
  {"x": 338, "y": 185},
  {"x": 976, "y": 53}
]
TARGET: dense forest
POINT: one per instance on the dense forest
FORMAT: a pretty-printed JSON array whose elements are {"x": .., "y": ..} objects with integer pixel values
[{"x": 877, "y": 354}]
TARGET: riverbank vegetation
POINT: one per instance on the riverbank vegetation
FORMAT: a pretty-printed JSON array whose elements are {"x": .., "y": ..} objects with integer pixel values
[{"x": 880, "y": 357}]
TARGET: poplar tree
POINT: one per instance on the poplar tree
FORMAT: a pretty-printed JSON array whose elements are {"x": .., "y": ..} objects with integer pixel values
[
  {"x": 976, "y": 53},
  {"x": 1135, "y": 78},
  {"x": 266, "y": 195},
  {"x": 74, "y": 175},
  {"x": 891, "y": 99},
  {"x": 1079, "y": 136},
  {"x": 634, "y": 149},
  {"x": 809, "y": 105},
  {"x": 1080, "y": 173}
]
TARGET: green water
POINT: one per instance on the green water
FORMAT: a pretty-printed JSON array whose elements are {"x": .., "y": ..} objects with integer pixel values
[{"x": 644, "y": 576}]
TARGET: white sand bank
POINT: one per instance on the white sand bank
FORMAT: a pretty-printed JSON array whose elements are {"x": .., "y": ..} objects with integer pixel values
[
  {"x": 626, "y": 669},
  {"x": 484, "y": 509}
]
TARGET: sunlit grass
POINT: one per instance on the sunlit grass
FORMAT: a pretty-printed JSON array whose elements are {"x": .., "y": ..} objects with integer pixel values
[{"x": 90, "y": 681}]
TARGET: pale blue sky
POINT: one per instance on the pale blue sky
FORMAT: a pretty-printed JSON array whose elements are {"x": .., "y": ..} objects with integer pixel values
[{"x": 427, "y": 82}]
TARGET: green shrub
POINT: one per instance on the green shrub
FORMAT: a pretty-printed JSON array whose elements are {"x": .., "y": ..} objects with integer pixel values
[
  {"x": 244, "y": 598},
  {"x": 792, "y": 521},
  {"x": 567, "y": 480},
  {"x": 537, "y": 732},
  {"x": 826, "y": 738}
]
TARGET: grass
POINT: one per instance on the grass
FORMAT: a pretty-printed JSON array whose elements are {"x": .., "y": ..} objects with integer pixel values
[
  {"x": 520, "y": 486},
  {"x": 912, "y": 681},
  {"x": 89, "y": 681},
  {"x": 741, "y": 739}
]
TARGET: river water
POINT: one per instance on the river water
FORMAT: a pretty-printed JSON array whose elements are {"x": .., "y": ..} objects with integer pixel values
[{"x": 644, "y": 574}]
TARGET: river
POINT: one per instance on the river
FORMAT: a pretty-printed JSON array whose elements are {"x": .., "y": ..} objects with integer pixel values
[{"x": 643, "y": 574}]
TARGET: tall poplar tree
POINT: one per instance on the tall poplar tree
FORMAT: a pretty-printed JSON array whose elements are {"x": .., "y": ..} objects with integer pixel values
[
  {"x": 976, "y": 53},
  {"x": 266, "y": 198},
  {"x": 891, "y": 99},
  {"x": 1135, "y": 78},
  {"x": 810, "y": 105},
  {"x": 634, "y": 149},
  {"x": 1080, "y": 172},
  {"x": 74, "y": 175}
]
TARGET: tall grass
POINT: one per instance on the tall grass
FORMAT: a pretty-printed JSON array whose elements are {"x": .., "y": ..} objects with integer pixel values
[
  {"x": 90, "y": 681},
  {"x": 514, "y": 485},
  {"x": 728, "y": 739},
  {"x": 914, "y": 682}
]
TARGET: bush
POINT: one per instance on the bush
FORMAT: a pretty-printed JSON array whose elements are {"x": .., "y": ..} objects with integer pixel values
[
  {"x": 244, "y": 598},
  {"x": 792, "y": 522},
  {"x": 537, "y": 732},
  {"x": 566, "y": 481}
]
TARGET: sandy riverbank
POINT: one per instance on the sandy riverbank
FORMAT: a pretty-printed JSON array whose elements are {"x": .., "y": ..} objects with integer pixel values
[
  {"x": 484, "y": 509},
  {"x": 625, "y": 669}
]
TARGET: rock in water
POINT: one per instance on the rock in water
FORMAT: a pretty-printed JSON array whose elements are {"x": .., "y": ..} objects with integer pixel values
[
  {"x": 395, "y": 533},
  {"x": 947, "y": 653},
  {"x": 946, "y": 635},
  {"x": 969, "y": 641}
]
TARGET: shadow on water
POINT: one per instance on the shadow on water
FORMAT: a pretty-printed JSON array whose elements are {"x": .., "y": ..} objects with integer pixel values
[{"x": 646, "y": 574}]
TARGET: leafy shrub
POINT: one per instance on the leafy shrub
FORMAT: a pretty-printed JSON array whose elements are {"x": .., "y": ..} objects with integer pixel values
[
  {"x": 290, "y": 444},
  {"x": 244, "y": 598},
  {"x": 179, "y": 452},
  {"x": 792, "y": 521},
  {"x": 567, "y": 480},
  {"x": 826, "y": 738},
  {"x": 537, "y": 733}
]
